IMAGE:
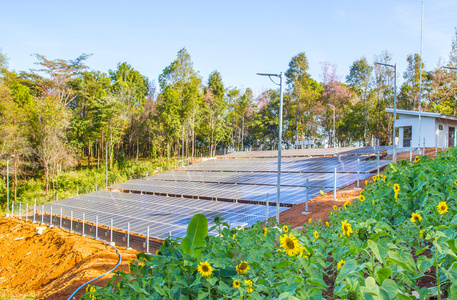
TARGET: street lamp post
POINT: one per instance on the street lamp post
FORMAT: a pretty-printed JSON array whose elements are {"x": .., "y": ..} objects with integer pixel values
[
  {"x": 333, "y": 143},
  {"x": 8, "y": 185},
  {"x": 394, "y": 146},
  {"x": 450, "y": 68},
  {"x": 281, "y": 77}
]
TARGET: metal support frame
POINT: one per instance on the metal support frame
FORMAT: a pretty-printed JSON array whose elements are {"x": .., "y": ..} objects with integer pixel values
[{"x": 147, "y": 240}]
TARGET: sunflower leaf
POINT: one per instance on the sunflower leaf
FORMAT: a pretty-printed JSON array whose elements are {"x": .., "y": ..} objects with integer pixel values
[{"x": 197, "y": 230}]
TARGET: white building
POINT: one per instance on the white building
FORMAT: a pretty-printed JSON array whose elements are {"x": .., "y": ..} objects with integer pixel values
[{"x": 435, "y": 129}]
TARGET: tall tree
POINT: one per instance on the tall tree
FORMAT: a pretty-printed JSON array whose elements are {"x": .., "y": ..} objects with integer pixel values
[
  {"x": 410, "y": 89},
  {"x": 181, "y": 76},
  {"x": 131, "y": 88},
  {"x": 304, "y": 95},
  {"x": 215, "y": 105},
  {"x": 61, "y": 77},
  {"x": 359, "y": 79}
]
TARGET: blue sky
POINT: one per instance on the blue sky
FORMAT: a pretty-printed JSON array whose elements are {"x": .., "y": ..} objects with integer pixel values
[{"x": 237, "y": 38}]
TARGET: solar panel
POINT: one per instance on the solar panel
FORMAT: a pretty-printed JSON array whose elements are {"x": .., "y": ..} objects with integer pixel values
[
  {"x": 237, "y": 193},
  {"x": 310, "y": 152},
  {"x": 162, "y": 214},
  {"x": 319, "y": 180},
  {"x": 345, "y": 164}
]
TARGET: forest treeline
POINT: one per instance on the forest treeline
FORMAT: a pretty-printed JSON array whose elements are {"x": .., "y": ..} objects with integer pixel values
[{"x": 63, "y": 113}]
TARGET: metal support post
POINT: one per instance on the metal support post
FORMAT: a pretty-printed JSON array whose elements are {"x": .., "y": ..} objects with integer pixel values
[
  {"x": 34, "y": 211},
  {"x": 96, "y": 226},
  {"x": 42, "y": 214},
  {"x": 378, "y": 162},
  {"x": 71, "y": 221},
  {"x": 424, "y": 147},
  {"x": 20, "y": 209},
  {"x": 358, "y": 174},
  {"x": 410, "y": 155},
  {"x": 128, "y": 236},
  {"x": 268, "y": 206},
  {"x": 111, "y": 233},
  {"x": 50, "y": 218},
  {"x": 334, "y": 186},
  {"x": 96, "y": 187},
  {"x": 60, "y": 217},
  {"x": 147, "y": 240},
  {"x": 26, "y": 211},
  {"x": 76, "y": 191},
  {"x": 57, "y": 196},
  {"x": 84, "y": 220},
  {"x": 307, "y": 193}
]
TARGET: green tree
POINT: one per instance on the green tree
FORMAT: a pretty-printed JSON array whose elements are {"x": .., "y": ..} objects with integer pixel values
[
  {"x": 305, "y": 93},
  {"x": 359, "y": 79},
  {"x": 181, "y": 76},
  {"x": 131, "y": 88},
  {"x": 215, "y": 107},
  {"x": 410, "y": 89}
]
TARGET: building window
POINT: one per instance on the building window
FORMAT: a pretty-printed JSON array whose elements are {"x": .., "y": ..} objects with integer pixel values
[{"x": 440, "y": 127}]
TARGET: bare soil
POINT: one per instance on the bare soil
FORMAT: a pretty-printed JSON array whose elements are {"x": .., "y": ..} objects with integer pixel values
[{"x": 51, "y": 265}]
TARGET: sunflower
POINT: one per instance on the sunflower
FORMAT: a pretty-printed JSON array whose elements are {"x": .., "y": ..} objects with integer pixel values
[
  {"x": 384, "y": 178},
  {"x": 304, "y": 252},
  {"x": 265, "y": 231},
  {"x": 422, "y": 234},
  {"x": 366, "y": 182},
  {"x": 290, "y": 244},
  {"x": 250, "y": 290},
  {"x": 396, "y": 196},
  {"x": 455, "y": 182},
  {"x": 331, "y": 213},
  {"x": 234, "y": 238},
  {"x": 242, "y": 228},
  {"x": 248, "y": 283},
  {"x": 373, "y": 202},
  {"x": 417, "y": 159},
  {"x": 416, "y": 217},
  {"x": 316, "y": 234},
  {"x": 340, "y": 263},
  {"x": 310, "y": 220},
  {"x": 346, "y": 204},
  {"x": 327, "y": 224},
  {"x": 243, "y": 267},
  {"x": 396, "y": 188},
  {"x": 205, "y": 269},
  {"x": 335, "y": 207},
  {"x": 362, "y": 198},
  {"x": 442, "y": 207},
  {"x": 346, "y": 228},
  {"x": 236, "y": 284},
  {"x": 285, "y": 229}
]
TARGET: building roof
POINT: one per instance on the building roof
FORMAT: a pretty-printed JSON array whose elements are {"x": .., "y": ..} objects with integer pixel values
[{"x": 423, "y": 114}]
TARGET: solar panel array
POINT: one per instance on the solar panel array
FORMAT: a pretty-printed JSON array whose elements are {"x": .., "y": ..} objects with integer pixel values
[
  {"x": 164, "y": 215},
  {"x": 235, "y": 189},
  {"x": 318, "y": 180},
  {"x": 296, "y": 165},
  {"x": 310, "y": 152},
  {"x": 237, "y": 193}
]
